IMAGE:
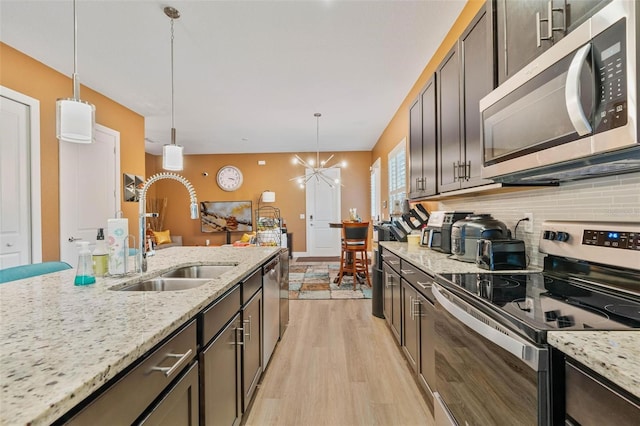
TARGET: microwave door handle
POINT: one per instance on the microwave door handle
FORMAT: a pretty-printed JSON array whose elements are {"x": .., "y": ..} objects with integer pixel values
[
  {"x": 572, "y": 92},
  {"x": 508, "y": 343}
]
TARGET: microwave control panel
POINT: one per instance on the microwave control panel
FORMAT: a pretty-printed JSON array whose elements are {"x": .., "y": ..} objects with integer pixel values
[{"x": 610, "y": 65}]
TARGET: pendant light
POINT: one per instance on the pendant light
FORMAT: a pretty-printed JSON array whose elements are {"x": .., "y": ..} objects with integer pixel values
[
  {"x": 172, "y": 155},
  {"x": 75, "y": 119}
]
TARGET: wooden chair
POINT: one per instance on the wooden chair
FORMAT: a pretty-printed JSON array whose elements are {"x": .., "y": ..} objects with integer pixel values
[{"x": 353, "y": 256}]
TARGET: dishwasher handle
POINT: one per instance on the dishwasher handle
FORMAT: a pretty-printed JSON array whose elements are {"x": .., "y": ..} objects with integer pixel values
[{"x": 490, "y": 329}]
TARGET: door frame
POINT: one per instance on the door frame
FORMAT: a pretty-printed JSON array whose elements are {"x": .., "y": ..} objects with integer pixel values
[{"x": 34, "y": 168}]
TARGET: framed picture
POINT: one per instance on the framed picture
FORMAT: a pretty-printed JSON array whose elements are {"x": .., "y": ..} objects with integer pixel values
[
  {"x": 223, "y": 216},
  {"x": 131, "y": 183}
]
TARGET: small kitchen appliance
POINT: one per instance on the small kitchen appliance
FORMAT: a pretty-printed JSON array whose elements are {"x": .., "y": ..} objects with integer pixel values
[
  {"x": 497, "y": 255},
  {"x": 466, "y": 233},
  {"x": 494, "y": 325},
  {"x": 437, "y": 234}
]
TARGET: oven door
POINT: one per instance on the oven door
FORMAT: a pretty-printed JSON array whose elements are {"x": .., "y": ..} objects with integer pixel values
[{"x": 485, "y": 373}]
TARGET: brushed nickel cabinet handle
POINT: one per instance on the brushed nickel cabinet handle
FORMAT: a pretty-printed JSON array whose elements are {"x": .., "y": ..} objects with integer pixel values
[{"x": 168, "y": 371}]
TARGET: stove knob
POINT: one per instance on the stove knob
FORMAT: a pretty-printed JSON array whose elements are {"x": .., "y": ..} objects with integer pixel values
[
  {"x": 562, "y": 236},
  {"x": 549, "y": 235}
]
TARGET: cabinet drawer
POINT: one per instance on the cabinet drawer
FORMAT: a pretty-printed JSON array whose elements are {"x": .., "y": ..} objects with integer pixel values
[
  {"x": 218, "y": 314},
  {"x": 251, "y": 285},
  {"x": 391, "y": 259},
  {"x": 127, "y": 399},
  {"x": 419, "y": 279}
]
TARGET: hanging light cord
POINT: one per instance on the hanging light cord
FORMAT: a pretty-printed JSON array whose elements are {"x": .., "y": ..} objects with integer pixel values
[
  {"x": 317, "y": 115},
  {"x": 76, "y": 81},
  {"x": 173, "y": 127}
]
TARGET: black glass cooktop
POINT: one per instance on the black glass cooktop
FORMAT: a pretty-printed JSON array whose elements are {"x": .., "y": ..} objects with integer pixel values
[{"x": 537, "y": 303}]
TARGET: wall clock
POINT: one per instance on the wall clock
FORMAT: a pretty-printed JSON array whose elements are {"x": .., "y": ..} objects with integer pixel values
[{"x": 229, "y": 178}]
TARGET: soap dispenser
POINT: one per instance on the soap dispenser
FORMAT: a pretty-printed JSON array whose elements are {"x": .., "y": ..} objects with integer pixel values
[
  {"x": 84, "y": 272},
  {"x": 100, "y": 255}
]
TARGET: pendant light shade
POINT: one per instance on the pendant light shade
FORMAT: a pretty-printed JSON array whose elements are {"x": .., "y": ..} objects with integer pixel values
[
  {"x": 172, "y": 157},
  {"x": 172, "y": 154},
  {"x": 75, "y": 119}
]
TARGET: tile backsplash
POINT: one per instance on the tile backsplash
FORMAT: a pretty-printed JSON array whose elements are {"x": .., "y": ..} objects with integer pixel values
[{"x": 613, "y": 198}]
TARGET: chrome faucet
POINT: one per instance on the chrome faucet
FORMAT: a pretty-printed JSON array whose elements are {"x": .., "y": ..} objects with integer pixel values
[{"x": 142, "y": 216}]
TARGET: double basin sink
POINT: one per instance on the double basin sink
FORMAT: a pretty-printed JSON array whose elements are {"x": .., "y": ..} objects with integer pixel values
[{"x": 183, "y": 278}]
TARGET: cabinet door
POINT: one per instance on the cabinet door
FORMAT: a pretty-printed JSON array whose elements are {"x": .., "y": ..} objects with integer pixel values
[
  {"x": 577, "y": 11},
  {"x": 179, "y": 406},
  {"x": 516, "y": 34},
  {"x": 220, "y": 375},
  {"x": 476, "y": 51},
  {"x": 448, "y": 89},
  {"x": 387, "y": 305},
  {"x": 429, "y": 137},
  {"x": 427, "y": 357},
  {"x": 392, "y": 300},
  {"x": 252, "y": 347},
  {"x": 409, "y": 324},
  {"x": 415, "y": 149}
]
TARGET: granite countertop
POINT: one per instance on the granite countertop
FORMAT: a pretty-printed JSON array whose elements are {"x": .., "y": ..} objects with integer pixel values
[
  {"x": 60, "y": 342},
  {"x": 436, "y": 262},
  {"x": 614, "y": 355}
]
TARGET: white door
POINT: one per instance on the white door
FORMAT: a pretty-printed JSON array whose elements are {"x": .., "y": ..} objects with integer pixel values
[
  {"x": 323, "y": 208},
  {"x": 20, "y": 226},
  {"x": 89, "y": 190}
]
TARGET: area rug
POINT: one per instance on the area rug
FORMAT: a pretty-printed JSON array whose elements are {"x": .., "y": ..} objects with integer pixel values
[{"x": 314, "y": 280}]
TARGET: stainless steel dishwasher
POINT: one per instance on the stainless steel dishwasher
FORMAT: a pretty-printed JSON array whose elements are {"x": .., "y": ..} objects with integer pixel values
[{"x": 271, "y": 303}]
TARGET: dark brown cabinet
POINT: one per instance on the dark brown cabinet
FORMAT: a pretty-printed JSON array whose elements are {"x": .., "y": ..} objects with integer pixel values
[
  {"x": 392, "y": 302},
  {"x": 422, "y": 143},
  {"x": 523, "y": 28},
  {"x": 418, "y": 326},
  {"x": 464, "y": 77},
  {"x": 251, "y": 347}
]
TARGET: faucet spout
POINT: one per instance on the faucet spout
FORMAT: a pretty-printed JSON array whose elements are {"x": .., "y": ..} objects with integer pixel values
[{"x": 142, "y": 205}]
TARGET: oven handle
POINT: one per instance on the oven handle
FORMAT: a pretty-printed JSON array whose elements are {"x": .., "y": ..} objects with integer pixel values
[
  {"x": 572, "y": 92},
  {"x": 479, "y": 323}
]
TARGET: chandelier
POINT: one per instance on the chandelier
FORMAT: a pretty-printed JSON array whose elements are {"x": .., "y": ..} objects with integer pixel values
[{"x": 317, "y": 169}]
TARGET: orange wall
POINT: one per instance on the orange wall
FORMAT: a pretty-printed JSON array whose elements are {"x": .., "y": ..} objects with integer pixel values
[
  {"x": 274, "y": 176},
  {"x": 398, "y": 127},
  {"x": 32, "y": 78}
]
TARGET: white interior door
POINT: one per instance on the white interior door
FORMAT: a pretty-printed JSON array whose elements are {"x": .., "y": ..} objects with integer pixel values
[
  {"x": 89, "y": 190},
  {"x": 20, "y": 226},
  {"x": 323, "y": 208}
]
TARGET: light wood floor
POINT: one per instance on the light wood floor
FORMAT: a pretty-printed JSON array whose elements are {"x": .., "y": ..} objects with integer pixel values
[{"x": 337, "y": 365}]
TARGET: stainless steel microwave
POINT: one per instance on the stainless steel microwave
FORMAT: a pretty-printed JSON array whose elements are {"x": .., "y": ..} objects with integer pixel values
[{"x": 571, "y": 113}]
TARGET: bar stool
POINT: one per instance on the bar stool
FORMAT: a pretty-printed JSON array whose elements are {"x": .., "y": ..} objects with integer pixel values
[{"x": 353, "y": 256}]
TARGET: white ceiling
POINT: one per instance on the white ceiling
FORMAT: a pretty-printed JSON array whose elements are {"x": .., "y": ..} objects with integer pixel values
[{"x": 249, "y": 75}]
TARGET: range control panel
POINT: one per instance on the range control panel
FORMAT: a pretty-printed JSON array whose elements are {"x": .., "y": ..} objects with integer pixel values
[
  {"x": 613, "y": 239},
  {"x": 610, "y": 243}
]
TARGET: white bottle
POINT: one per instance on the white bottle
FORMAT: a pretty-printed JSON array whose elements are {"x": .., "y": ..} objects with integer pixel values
[{"x": 100, "y": 256}]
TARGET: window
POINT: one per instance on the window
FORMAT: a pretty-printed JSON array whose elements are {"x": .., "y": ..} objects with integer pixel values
[
  {"x": 397, "y": 177},
  {"x": 375, "y": 191}
]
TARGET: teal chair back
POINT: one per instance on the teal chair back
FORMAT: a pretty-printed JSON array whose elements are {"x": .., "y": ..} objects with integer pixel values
[{"x": 25, "y": 271}]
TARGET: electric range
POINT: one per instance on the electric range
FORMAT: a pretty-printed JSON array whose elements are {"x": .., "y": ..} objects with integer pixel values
[
  {"x": 493, "y": 326},
  {"x": 572, "y": 293}
]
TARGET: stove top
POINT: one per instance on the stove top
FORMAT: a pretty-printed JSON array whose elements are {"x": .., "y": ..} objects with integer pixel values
[{"x": 537, "y": 303}]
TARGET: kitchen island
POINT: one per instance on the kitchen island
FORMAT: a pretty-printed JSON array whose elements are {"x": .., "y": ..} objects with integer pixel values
[{"x": 60, "y": 342}]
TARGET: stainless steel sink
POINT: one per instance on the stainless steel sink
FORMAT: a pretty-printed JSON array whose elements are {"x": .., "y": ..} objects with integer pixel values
[
  {"x": 165, "y": 284},
  {"x": 200, "y": 271}
]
